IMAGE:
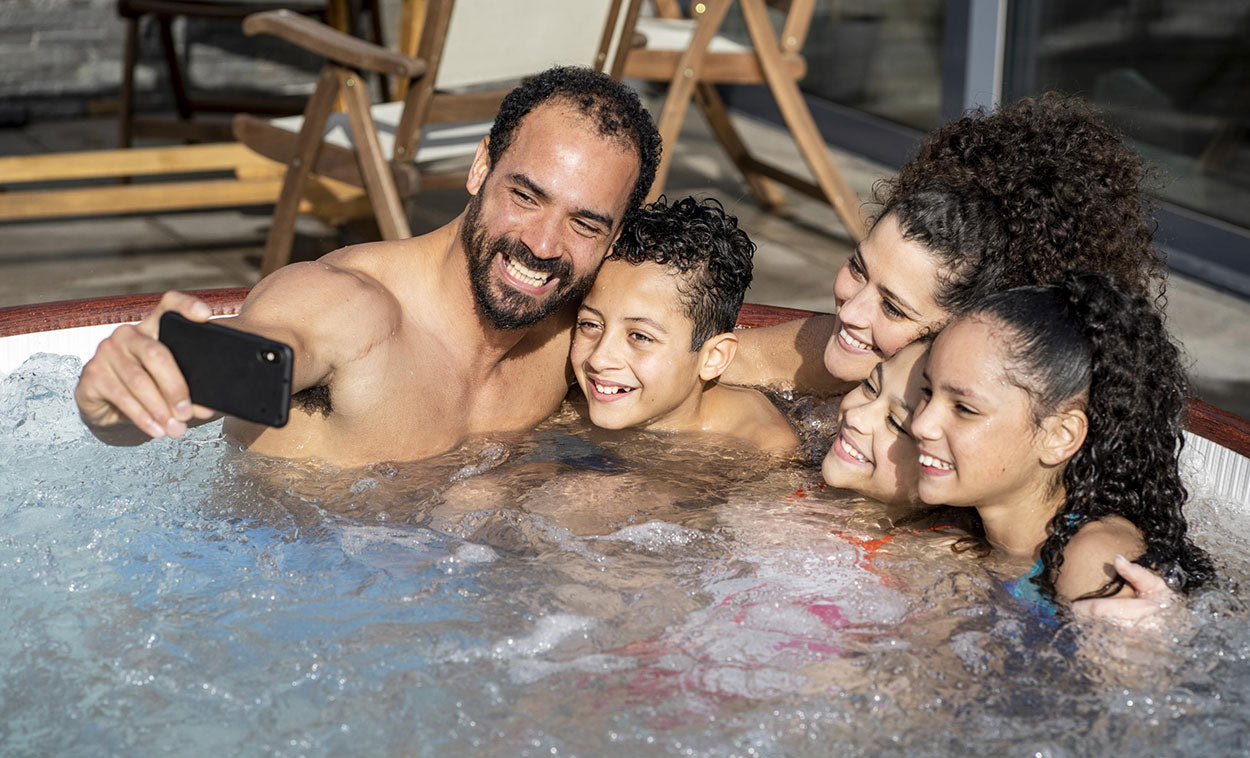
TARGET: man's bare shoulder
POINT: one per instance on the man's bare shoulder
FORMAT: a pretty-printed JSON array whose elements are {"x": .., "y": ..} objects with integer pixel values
[{"x": 327, "y": 285}]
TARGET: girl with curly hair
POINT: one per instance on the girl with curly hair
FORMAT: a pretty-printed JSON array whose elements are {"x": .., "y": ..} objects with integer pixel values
[
  {"x": 1055, "y": 411},
  {"x": 1018, "y": 196}
]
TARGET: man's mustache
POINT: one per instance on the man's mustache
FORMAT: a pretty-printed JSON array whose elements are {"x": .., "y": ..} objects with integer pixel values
[{"x": 521, "y": 253}]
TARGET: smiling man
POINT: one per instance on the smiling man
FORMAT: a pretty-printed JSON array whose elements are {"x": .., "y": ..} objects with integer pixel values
[{"x": 404, "y": 348}]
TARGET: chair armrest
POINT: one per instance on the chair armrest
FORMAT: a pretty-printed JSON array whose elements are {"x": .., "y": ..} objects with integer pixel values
[{"x": 327, "y": 42}]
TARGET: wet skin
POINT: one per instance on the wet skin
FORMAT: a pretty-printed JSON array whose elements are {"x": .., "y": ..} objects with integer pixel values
[
  {"x": 632, "y": 358},
  {"x": 981, "y": 446},
  {"x": 392, "y": 329},
  {"x": 874, "y": 453},
  {"x": 884, "y": 298}
]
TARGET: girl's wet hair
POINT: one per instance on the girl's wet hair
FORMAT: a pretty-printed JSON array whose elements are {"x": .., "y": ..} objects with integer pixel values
[
  {"x": 1022, "y": 195},
  {"x": 1089, "y": 343}
]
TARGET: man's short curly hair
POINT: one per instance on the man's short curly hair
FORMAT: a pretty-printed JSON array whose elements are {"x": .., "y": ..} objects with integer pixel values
[
  {"x": 1024, "y": 194},
  {"x": 704, "y": 246},
  {"x": 615, "y": 109}
]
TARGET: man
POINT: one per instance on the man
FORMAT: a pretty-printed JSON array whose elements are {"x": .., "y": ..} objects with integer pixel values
[{"x": 403, "y": 348}]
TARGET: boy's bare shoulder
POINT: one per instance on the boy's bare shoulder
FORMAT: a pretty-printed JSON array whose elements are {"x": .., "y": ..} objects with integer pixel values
[{"x": 746, "y": 413}]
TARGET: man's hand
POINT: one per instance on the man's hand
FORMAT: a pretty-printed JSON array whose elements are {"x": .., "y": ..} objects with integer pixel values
[
  {"x": 133, "y": 379},
  {"x": 1151, "y": 597}
]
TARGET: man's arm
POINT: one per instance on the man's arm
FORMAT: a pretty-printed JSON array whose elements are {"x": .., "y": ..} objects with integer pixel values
[
  {"x": 789, "y": 355},
  {"x": 132, "y": 390}
]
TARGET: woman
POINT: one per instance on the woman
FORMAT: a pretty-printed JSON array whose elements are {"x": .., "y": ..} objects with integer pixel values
[
  {"x": 1015, "y": 197},
  {"x": 1055, "y": 412}
]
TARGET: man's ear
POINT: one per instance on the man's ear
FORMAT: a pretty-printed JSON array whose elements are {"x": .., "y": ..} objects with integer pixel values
[
  {"x": 480, "y": 167},
  {"x": 716, "y": 355},
  {"x": 1063, "y": 433}
]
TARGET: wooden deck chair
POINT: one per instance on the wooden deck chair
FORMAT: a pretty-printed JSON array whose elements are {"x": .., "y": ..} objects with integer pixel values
[
  {"x": 472, "y": 52},
  {"x": 692, "y": 57}
]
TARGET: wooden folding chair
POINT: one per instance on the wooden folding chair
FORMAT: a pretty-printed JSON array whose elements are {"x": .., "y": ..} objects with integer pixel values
[
  {"x": 690, "y": 55},
  {"x": 467, "y": 49}
]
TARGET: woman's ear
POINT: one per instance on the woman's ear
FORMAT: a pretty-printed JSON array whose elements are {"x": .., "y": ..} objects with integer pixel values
[
  {"x": 480, "y": 167},
  {"x": 716, "y": 355},
  {"x": 1063, "y": 433}
]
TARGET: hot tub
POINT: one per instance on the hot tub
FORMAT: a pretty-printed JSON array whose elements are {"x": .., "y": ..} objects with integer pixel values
[{"x": 570, "y": 592}]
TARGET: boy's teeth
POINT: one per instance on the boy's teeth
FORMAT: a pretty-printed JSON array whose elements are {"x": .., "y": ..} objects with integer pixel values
[
  {"x": 527, "y": 275},
  {"x": 930, "y": 461},
  {"x": 609, "y": 390},
  {"x": 854, "y": 342}
]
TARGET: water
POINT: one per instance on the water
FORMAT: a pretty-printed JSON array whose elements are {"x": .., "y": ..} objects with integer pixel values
[{"x": 568, "y": 592}]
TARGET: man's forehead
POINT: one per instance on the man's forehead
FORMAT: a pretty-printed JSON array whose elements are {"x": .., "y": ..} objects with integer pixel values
[{"x": 571, "y": 118}]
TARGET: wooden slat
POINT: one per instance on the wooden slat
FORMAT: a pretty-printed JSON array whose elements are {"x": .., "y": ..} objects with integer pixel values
[
  {"x": 718, "y": 68},
  {"x": 165, "y": 196},
  {"x": 279, "y": 145},
  {"x": 135, "y": 161},
  {"x": 326, "y": 42}
]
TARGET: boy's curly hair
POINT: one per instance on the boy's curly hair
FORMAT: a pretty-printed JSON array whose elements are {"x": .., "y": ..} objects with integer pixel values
[
  {"x": 1023, "y": 195},
  {"x": 705, "y": 247}
]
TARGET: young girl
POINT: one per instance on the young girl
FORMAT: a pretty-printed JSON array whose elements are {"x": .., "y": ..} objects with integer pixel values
[
  {"x": 873, "y": 452},
  {"x": 1055, "y": 412}
]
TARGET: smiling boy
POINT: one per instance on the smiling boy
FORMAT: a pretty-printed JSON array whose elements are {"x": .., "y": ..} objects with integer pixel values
[{"x": 656, "y": 330}]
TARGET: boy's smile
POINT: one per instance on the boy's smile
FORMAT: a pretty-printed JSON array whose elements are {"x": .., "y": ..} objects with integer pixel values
[{"x": 631, "y": 350}]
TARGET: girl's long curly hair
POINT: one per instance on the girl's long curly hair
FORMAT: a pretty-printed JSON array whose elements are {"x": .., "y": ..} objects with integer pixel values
[
  {"x": 1088, "y": 341},
  {"x": 1022, "y": 195}
]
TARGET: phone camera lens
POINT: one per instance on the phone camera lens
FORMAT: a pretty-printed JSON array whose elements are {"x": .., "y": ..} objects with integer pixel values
[{"x": 269, "y": 356}]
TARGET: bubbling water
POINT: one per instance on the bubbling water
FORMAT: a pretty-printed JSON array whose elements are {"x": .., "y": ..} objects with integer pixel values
[{"x": 566, "y": 592}]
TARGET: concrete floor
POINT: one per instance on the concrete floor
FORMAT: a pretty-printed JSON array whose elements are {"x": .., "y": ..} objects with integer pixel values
[{"x": 801, "y": 247}]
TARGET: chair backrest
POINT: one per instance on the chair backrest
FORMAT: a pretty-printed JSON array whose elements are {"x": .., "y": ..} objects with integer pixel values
[
  {"x": 491, "y": 41},
  {"x": 473, "y": 46}
]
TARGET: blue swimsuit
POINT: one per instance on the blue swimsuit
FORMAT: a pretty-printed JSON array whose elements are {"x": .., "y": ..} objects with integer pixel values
[{"x": 1024, "y": 590}]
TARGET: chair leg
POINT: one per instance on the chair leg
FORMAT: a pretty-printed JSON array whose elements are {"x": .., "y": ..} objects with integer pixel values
[
  {"x": 126, "y": 117},
  {"x": 282, "y": 230},
  {"x": 375, "y": 32},
  {"x": 389, "y": 209},
  {"x": 681, "y": 89},
  {"x": 766, "y": 193},
  {"x": 176, "y": 79},
  {"x": 799, "y": 119}
]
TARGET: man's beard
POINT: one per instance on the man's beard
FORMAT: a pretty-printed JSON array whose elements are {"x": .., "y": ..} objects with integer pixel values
[{"x": 509, "y": 308}]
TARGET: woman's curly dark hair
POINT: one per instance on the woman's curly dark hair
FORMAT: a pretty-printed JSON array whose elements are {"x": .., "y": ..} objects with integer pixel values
[
  {"x": 704, "y": 246},
  {"x": 615, "y": 108},
  {"x": 1087, "y": 340},
  {"x": 1021, "y": 196}
]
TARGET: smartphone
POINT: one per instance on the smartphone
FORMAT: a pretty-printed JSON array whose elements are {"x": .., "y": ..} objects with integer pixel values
[{"x": 231, "y": 371}]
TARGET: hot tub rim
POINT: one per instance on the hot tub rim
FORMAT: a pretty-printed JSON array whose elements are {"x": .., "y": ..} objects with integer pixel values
[{"x": 1220, "y": 426}]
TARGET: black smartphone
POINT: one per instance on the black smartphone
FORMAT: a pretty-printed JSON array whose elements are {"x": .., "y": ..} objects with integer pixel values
[{"x": 231, "y": 371}]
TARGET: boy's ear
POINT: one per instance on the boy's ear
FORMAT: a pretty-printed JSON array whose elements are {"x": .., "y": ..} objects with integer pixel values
[
  {"x": 480, "y": 167},
  {"x": 716, "y": 355},
  {"x": 1062, "y": 434}
]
